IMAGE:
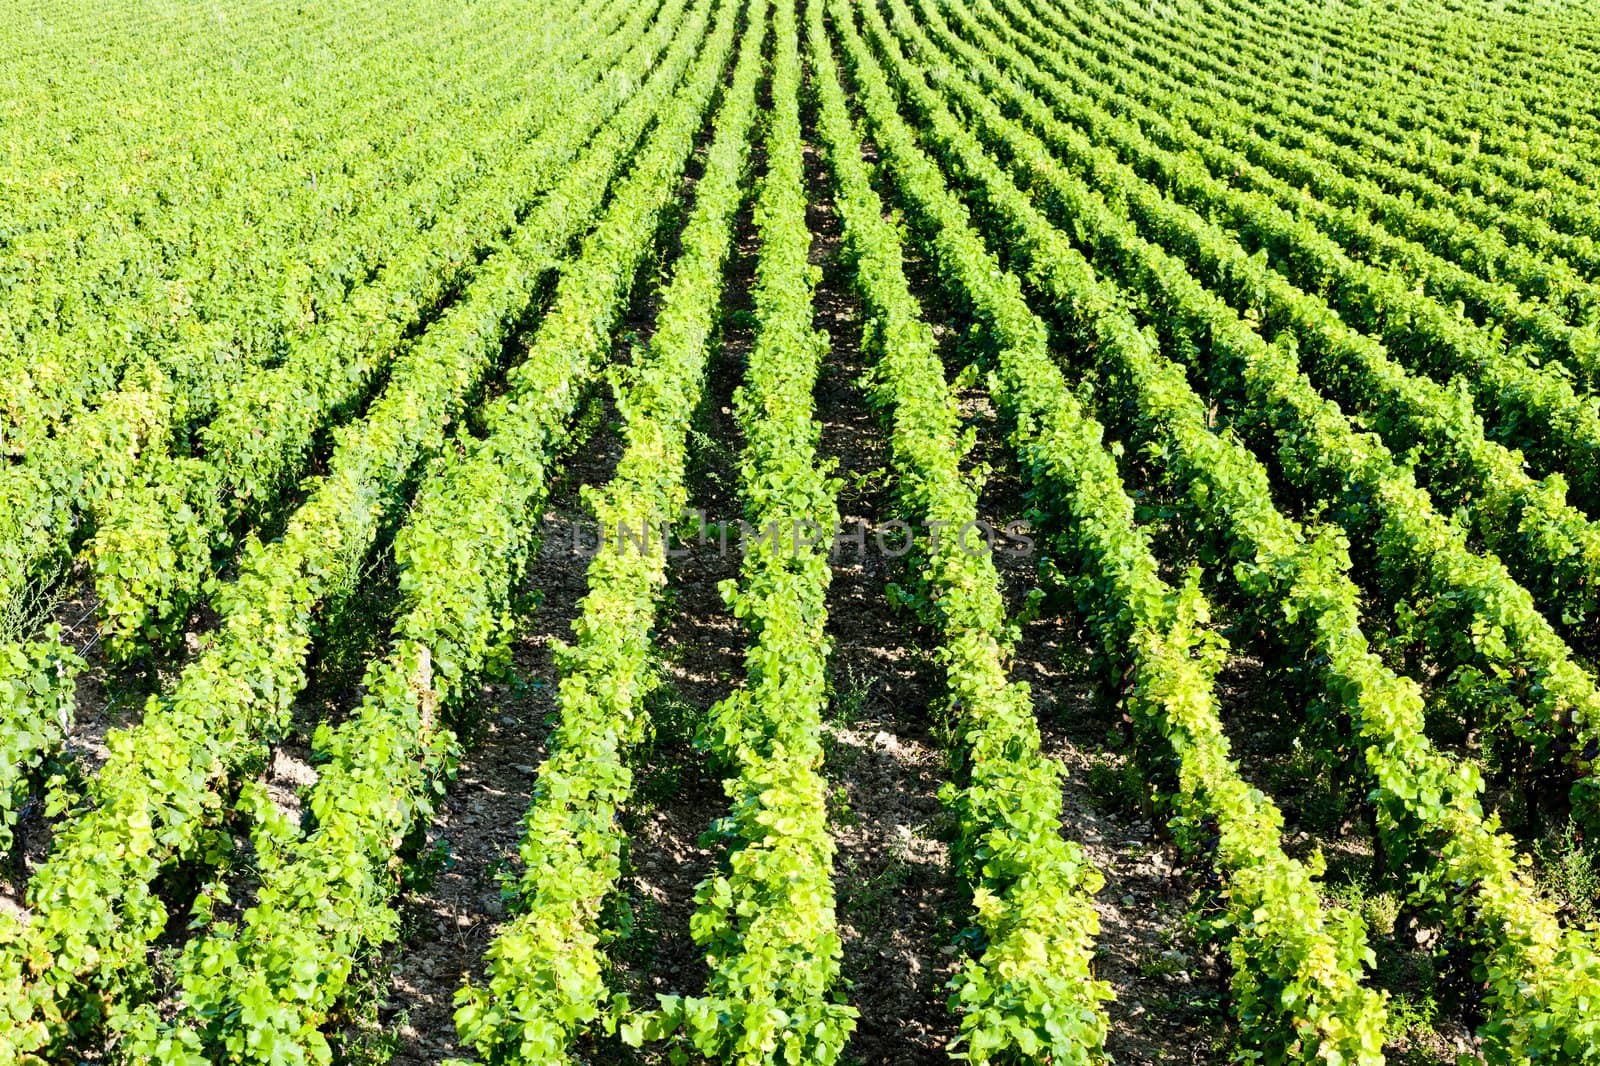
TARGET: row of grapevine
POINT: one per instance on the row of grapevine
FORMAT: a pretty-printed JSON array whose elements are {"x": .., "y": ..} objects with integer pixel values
[
  {"x": 1549, "y": 545},
  {"x": 87, "y": 476},
  {"x": 1514, "y": 137},
  {"x": 153, "y": 552},
  {"x": 1419, "y": 107},
  {"x": 38, "y": 687},
  {"x": 1286, "y": 321},
  {"x": 765, "y": 918},
  {"x": 1557, "y": 293},
  {"x": 162, "y": 789},
  {"x": 1521, "y": 118},
  {"x": 262, "y": 992},
  {"x": 1534, "y": 407},
  {"x": 155, "y": 536},
  {"x": 1029, "y": 990},
  {"x": 154, "y": 548},
  {"x": 544, "y": 980},
  {"x": 1546, "y": 275},
  {"x": 1388, "y": 161},
  {"x": 1479, "y": 621},
  {"x": 70, "y": 75},
  {"x": 1539, "y": 976},
  {"x": 1296, "y": 976},
  {"x": 142, "y": 285},
  {"x": 1454, "y": 50},
  {"x": 1507, "y": 186},
  {"x": 1499, "y": 270}
]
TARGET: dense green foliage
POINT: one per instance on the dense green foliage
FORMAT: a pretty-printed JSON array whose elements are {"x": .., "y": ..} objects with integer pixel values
[
  {"x": 1275, "y": 325},
  {"x": 544, "y": 979},
  {"x": 766, "y": 918}
]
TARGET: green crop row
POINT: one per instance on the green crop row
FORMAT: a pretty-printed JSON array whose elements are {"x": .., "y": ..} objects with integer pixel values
[
  {"x": 1479, "y": 622},
  {"x": 1540, "y": 978},
  {"x": 1550, "y": 546},
  {"x": 545, "y": 977},
  {"x": 162, "y": 791},
  {"x": 154, "y": 553},
  {"x": 765, "y": 918},
  {"x": 262, "y": 991},
  {"x": 1029, "y": 989}
]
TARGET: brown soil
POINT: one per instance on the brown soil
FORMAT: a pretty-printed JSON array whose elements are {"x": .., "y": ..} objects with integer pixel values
[
  {"x": 898, "y": 904},
  {"x": 477, "y": 827},
  {"x": 701, "y": 648},
  {"x": 1171, "y": 989}
]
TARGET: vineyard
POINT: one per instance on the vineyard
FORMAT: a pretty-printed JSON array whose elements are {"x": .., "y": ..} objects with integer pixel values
[{"x": 800, "y": 532}]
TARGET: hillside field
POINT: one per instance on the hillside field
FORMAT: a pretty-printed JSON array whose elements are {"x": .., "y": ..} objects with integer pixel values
[{"x": 800, "y": 532}]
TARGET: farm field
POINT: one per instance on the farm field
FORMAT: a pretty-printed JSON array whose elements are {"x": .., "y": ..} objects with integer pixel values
[{"x": 800, "y": 532}]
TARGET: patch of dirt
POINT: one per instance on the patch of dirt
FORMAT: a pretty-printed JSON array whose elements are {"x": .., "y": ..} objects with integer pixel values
[
  {"x": 451, "y": 918},
  {"x": 1171, "y": 990},
  {"x": 701, "y": 648},
  {"x": 898, "y": 904}
]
